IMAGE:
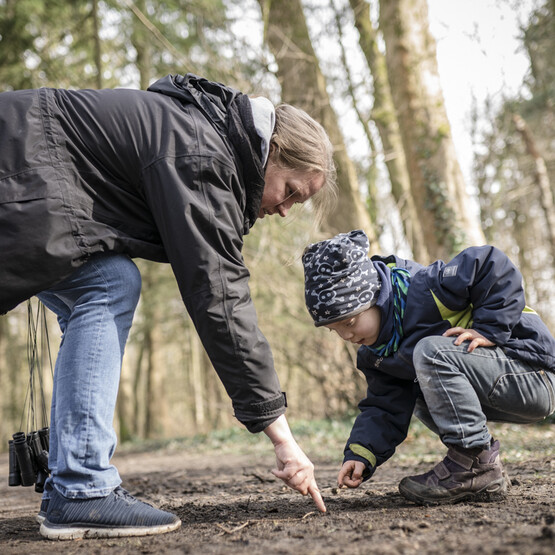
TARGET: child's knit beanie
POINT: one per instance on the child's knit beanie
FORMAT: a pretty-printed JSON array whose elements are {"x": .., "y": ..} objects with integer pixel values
[{"x": 340, "y": 279}]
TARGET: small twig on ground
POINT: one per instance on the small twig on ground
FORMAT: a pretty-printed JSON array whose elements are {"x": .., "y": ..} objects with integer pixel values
[
  {"x": 263, "y": 479},
  {"x": 226, "y": 530},
  {"x": 232, "y": 530}
]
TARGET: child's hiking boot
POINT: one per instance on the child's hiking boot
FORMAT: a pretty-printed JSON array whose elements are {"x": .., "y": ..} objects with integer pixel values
[
  {"x": 118, "y": 514},
  {"x": 463, "y": 474},
  {"x": 41, "y": 516}
]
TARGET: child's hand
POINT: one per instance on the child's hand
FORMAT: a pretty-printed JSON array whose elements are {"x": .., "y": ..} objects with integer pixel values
[
  {"x": 476, "y": 339},
  {"x": 350, "y": 474}
]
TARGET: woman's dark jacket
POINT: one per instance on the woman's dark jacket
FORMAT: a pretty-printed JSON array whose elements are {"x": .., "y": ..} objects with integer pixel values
[
  {"x": 172, "y": 174},
  {"x": 479, "y": 289}
]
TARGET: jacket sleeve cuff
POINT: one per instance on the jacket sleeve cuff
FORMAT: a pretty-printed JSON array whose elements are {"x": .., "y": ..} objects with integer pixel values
[
  {"x": 258, "y": 416},
  {"x": 356, "y": 452}
]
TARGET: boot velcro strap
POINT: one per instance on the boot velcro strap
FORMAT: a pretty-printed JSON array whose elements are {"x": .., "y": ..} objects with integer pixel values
[
  {"x": 461, "y": 459},
  {"x": 441, "y": 471}
]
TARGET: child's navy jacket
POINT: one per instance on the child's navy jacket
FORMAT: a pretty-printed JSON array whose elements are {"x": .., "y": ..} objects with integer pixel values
[{"x": 480, "y": 289}]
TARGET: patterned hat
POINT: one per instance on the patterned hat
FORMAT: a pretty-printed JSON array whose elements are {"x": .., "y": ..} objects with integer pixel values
[{"x": 340, "y": 279}]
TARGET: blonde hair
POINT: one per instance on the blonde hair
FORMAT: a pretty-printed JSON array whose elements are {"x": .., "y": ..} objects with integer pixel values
[{"x": 300, "y": 143}]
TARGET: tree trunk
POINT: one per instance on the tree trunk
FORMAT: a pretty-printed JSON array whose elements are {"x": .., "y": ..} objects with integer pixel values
[
  {"x": 155, "y": 403},
  {"x": 141, "y": 42},
  {"x": 383, "y": 114},
  {"x": 303, "y": 85},
  {"x": 97, "y": 44},
  {"x": 138, "y": 420},
  {"x": 541, "y": 180},
  {"x": 196, "y": 377},
  {"x": 436, "y": 179}
]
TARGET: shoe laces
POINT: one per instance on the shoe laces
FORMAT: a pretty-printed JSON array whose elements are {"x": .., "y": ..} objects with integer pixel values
[{"x": 125, "y": 495}]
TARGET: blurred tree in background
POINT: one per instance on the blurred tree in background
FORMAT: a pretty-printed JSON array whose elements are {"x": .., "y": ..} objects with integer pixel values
[
  {"x": 406, "y": 190},
  {"x": 515, "y": 167}
]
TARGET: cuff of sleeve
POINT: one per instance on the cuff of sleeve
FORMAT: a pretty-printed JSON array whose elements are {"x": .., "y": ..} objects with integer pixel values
[
  {"x": 363, "y": 452},
  {"x": 258, "y": 416},
  {"x": 356, "y": 452}
]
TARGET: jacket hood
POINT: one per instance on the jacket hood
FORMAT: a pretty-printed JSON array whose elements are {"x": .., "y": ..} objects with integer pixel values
[
  {"x": 230, "y": 113},
  {"x": 211, "y": 98}
]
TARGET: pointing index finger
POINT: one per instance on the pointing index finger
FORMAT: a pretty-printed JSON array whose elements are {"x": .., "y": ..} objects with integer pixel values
[{"x": 317, "y": 497}]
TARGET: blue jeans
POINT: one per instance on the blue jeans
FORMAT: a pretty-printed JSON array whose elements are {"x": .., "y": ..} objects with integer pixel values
[
  {"x": 95, "y": 308},
  {"x": 461, "y": 391}
]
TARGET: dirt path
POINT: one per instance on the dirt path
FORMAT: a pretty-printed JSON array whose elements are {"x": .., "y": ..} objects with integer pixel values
[{"x": 232, "y": 504}]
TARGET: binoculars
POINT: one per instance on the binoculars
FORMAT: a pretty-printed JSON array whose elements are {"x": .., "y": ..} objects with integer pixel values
[{"x": 28, "y": 459}]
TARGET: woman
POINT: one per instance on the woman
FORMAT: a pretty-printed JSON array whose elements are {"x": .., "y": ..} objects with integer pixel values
[{"x": 178, "y": 173}]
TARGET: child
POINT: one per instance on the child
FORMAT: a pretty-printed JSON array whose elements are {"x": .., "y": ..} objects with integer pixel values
[{"x": 454, "y": 343}]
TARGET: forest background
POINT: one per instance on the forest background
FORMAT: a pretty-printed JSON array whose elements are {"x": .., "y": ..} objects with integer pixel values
[{"x": 368, "y": 71}]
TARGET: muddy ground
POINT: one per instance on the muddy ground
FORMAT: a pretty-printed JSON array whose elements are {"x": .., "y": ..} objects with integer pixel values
[{"x": 230, "y": 503}]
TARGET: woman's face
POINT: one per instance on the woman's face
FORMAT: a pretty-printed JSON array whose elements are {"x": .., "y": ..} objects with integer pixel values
[
  {"x": 285, "y": 187},
  {"x": 362, "y": 329}
]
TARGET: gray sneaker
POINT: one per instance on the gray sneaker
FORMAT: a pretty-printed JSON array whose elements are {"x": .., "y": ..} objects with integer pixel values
[
  {"x": 463, "y": 474},
  {"x": 41, "y": 516},
  {"x": 116, "y": 515}
]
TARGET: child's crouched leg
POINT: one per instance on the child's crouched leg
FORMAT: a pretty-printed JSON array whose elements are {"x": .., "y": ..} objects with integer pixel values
[
  {"x": 463, "y": 390},
  {"x": 460, "y": 392}
]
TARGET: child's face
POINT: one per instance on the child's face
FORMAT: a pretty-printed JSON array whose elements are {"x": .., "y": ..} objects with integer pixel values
[{"x": 362, "y": 329}]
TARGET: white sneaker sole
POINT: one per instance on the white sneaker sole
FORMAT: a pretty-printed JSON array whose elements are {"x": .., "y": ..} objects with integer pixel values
[{"x": 59, "y": 532}]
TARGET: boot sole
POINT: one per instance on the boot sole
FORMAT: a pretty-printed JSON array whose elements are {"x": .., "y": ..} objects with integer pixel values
[
  {"x": 65, "y": 532},
  {"x": 496, "y": 491}
]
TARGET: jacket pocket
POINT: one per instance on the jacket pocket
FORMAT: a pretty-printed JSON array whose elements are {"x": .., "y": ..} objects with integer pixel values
[{"x": 31, "y": 184}]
